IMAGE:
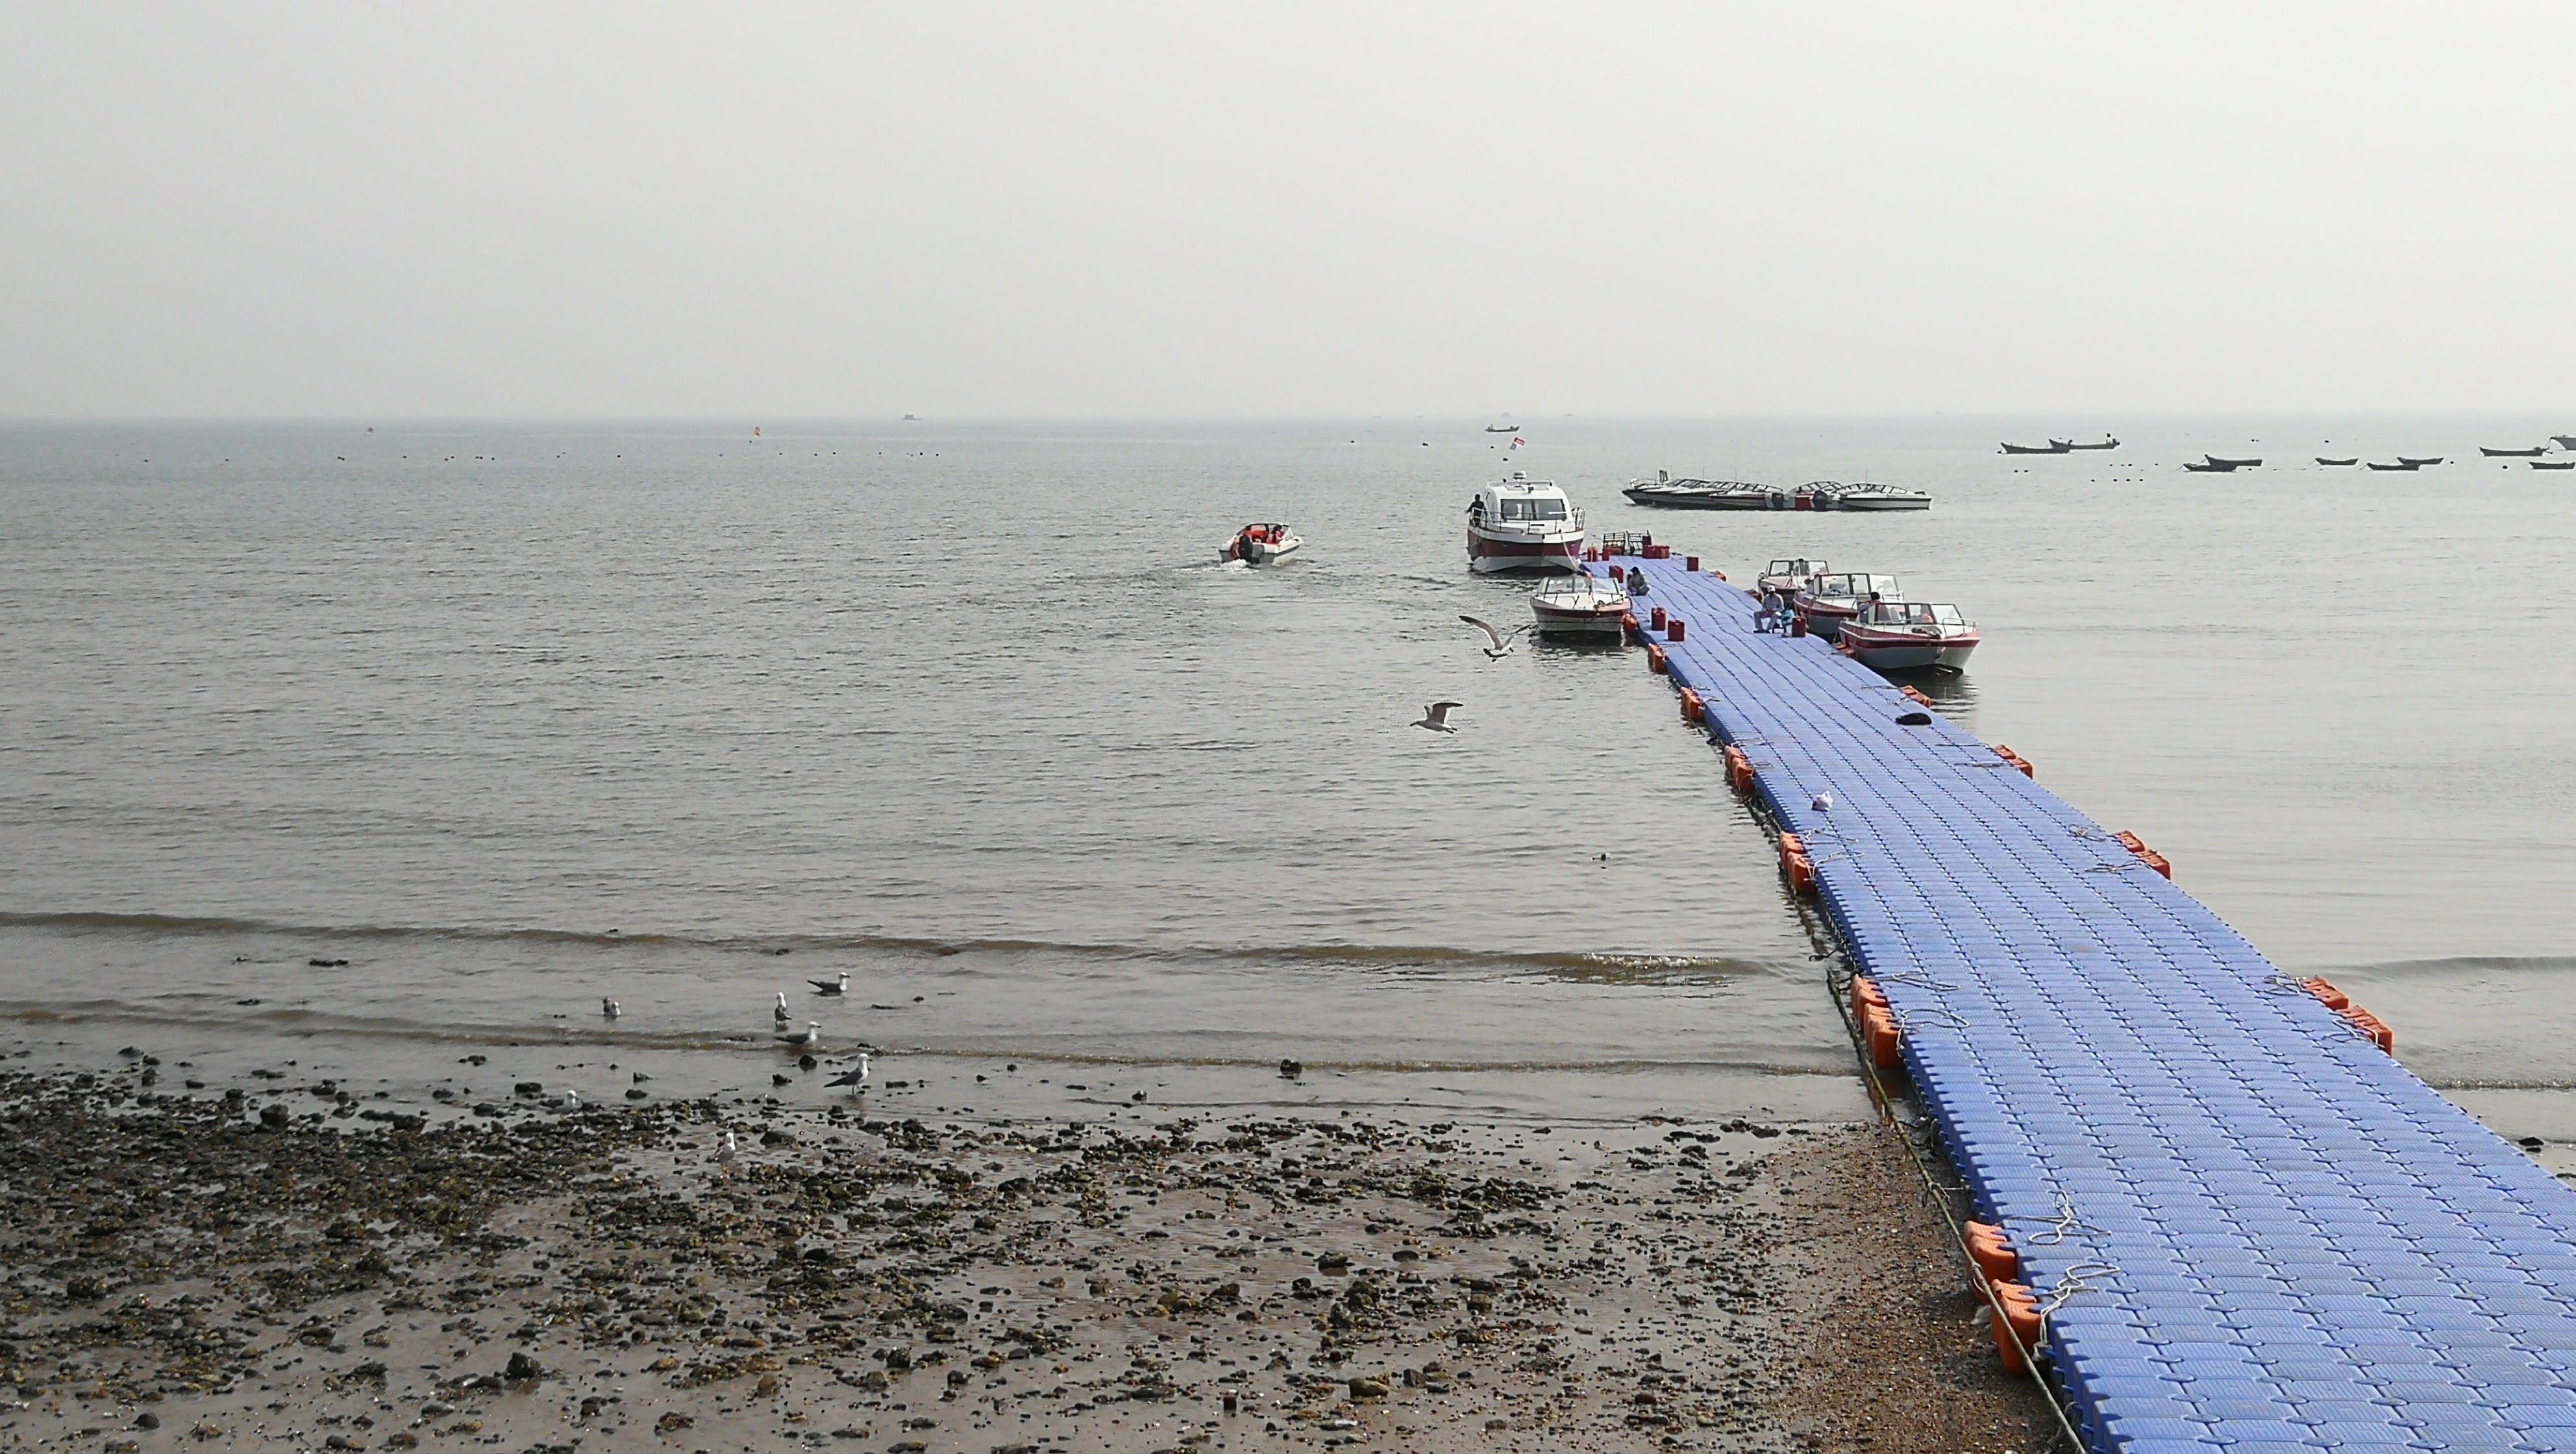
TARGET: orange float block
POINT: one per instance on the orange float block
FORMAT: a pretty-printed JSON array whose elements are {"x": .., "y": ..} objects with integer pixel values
[
  {"x": 2020, "y": 1320},
  {"x": 1993, "y": 1254},
  {"x": 2146, "y": 855},
  {"x": 1914, "y": 696},
  {"x": 1691, "y": 709},
  {"x": 2016, "y": 759},
  {"x": 1739, "y": 770},
  {"x": 1655, "y": 659}
]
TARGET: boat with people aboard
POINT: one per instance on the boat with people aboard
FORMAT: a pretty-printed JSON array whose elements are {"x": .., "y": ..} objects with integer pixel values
[
  {"x": 1909, "y": 636},
  {"x": 1830, "y": 600},
  {"x": 1668, "y": 493},
  {"x": 1260, "y": 544},
  {"x": 1789, "y": 576},
  {"x": 1523, "y": 524},
  {"x": 1581, "y": 604}
]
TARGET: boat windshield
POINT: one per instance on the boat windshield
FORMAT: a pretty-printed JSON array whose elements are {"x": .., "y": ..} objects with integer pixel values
[
  {"x": 1794, "y": 567},
  {"x": 1532, "y": 509},
  {"x": 1882, "y": 585}
]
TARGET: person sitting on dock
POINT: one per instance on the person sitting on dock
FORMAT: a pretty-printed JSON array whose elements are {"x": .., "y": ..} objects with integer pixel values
[
  {"x": 1636, "y": 581},
  {"x": 1768, "y": 618}
]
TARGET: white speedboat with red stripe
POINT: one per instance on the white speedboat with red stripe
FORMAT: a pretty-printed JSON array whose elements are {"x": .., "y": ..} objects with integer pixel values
[
  {"x": 1580, "y": 605},
  {"x": 1523, "y": 524},
  {"x": 1828, "y": 601},
  {"x": 1790, "y": 575},
  {"x": 1910, "y": 635}
]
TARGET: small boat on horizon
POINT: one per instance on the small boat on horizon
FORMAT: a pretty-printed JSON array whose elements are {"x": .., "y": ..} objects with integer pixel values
[
  {"x": 2554, "y": 464},
  {"x": 1260, "y": 544},
  {"x": 2063, "y": 446},
  {"x": 1581, "y": 604},
  {"x": 2052, "y": 447},
  {"x": 1523, "y": 524},
  {"x": 2400, "y": 465},
  {"x": 1672, "y": 494},
  {"x": 2565, "y": 441},
  {"x": 2534, "y": 452},
  {"x": 2321, "y": 459},
  {"x": 1909, "y": 636},
  {"x": 2233, "y": 464},
  {"x": 2418, "y": 463},
  {"x": 1502, "y": 429},
  {"x": 2210, "y": 467}
]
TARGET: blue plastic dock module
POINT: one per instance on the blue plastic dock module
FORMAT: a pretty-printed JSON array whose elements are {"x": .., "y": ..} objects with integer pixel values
[{"x": 2253, "y": 1230}]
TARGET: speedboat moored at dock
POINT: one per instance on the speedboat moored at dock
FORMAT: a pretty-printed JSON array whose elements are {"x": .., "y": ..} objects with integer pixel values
[
  {"x": 1909, "y": 636},
  {"x": 1830, "y": 600},
  {"x": 1523, "y": 524},
  {"x": 1886, "y": 497},
  {"x": 1580, "y": 605},
  {"x": 1789, "y": 577},
  {"x": 1663, "y": 490}
]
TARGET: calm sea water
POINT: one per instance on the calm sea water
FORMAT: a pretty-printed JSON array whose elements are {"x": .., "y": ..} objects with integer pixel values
[{"x": 515, "y": 717}]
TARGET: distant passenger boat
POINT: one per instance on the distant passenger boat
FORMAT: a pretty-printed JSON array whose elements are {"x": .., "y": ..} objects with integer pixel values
[
  {"x": 2532, "y": 453},
  {"x": 1671, "y": 493},
  {"x": 2321, "y": 459},
  {"x": 2061, "y": 446},
  {"x": 2403, "y": 464},
  {"x": 2052, "y": 447},
  {"x": 2404, "y": 460},
  {"x": 2233, "y": 464}
]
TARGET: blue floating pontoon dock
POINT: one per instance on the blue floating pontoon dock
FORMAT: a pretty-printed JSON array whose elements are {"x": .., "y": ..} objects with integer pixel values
[{"x": 2250, "y": 1228}]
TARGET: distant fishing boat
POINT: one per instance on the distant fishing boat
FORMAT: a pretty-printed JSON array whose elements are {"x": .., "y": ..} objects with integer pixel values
[
  {"x": 2209, "y": 467},
  {"x": 2403, "y": 464},
  {"x": 2554, "y": 464},
  {"x": 2405, "y": 460},
  {"x": 912, "y": 418},
  {"x": 1502, "y": 429},
  {"x": 2052, "y": 447},
  {"x": 2534, "y": 452},
  {"x": 2233, "y": 464},
  {"x": 2061, "y": 446},
  {"x": 2321, "y": 459}
]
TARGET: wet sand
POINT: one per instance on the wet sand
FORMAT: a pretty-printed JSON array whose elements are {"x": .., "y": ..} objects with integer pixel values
[{"x": 288, "y": 1264}]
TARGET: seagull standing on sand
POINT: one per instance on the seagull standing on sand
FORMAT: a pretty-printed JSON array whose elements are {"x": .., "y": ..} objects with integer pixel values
[
  {"x": 854, "y": 1081},
  {"x": 1436, "y": 716},
  {"x": 805, "y": 1039},
  {"x": 727, "y": 1152},
  {"x": 1502, "y": 640},
  {"x": 839, "y": 986},
  {"x": 778, "y": 1012},
  {"x": 608, "y": 1008}
]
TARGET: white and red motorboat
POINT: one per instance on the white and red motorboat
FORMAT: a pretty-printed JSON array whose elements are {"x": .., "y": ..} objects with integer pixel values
[
  {"x": 1580, "y": 605},
  {"x": 1830, "y": 600},
  {"x": 1260, "y": 544},
  {"x": 1910, "y": 635},
  {"x": 1523, "y": 524}
]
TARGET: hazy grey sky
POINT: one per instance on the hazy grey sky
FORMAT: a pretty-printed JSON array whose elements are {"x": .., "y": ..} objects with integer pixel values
[{"x": 768, "y": 211}]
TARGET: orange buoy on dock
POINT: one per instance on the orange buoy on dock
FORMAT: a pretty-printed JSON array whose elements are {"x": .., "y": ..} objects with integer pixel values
[
  {"x": 2146, "y": 855},
  {"x": 2016, "y": 759},
  {"x": 1691, "y": 709},
  {"x": 2020, "y": 1320},
  {"x": 1916, "y": 697},
  {"x": 1993, "y": 1254},
  {"x": 2325, "y": 991},
  {"x": 1654, "y": 658},
  {"x": 1739, "y": 769},
  {"x": 1795, "y": 863}
]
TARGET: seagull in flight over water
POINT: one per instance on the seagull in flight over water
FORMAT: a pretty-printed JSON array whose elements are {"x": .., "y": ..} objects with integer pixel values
[
  {"x": 840, "y": 986},
  {"x": 1436, "y": 716},
  {"x": 1502, "y": 640}
]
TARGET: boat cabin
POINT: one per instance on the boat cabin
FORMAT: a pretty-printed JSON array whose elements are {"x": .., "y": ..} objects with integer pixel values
[
  {"x": 1798, "y": 569},
  {"x": 1521, "y": 501},
  {"x": 1912, "y": 613},
  {"x": 1858, "y": 586}
]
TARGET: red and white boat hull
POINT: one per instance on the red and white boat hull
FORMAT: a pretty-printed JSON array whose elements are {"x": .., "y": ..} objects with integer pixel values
[
  {"x": 1491, "y": 553},
  {"x": 1826, "y": 616}
]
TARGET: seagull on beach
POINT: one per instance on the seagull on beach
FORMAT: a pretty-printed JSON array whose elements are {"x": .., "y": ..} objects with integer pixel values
[
  {"x": 839, "y": 986},
  {"x": 727, "y": 1152},
  {"x": 810, "y": 1036},
  {"x": 854, "y": 1081},
  {"x": 1436, "y": 716},
  {"x": 1502, "y": 640},
  {"x": 778, "y": 1012},
  {"x": 608, "y": 1007}
]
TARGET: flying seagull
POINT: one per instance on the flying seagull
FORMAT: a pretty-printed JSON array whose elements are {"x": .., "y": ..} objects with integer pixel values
[
  {"x": 840, "y": 986},
  {"x": 806, "y": 1038},
  {"x": 778, "y": 1012},
  {"x": 853, "y": 1080},
  {"x": 1436, "y": 716},
  {"x": 1502, "y": 640}
]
